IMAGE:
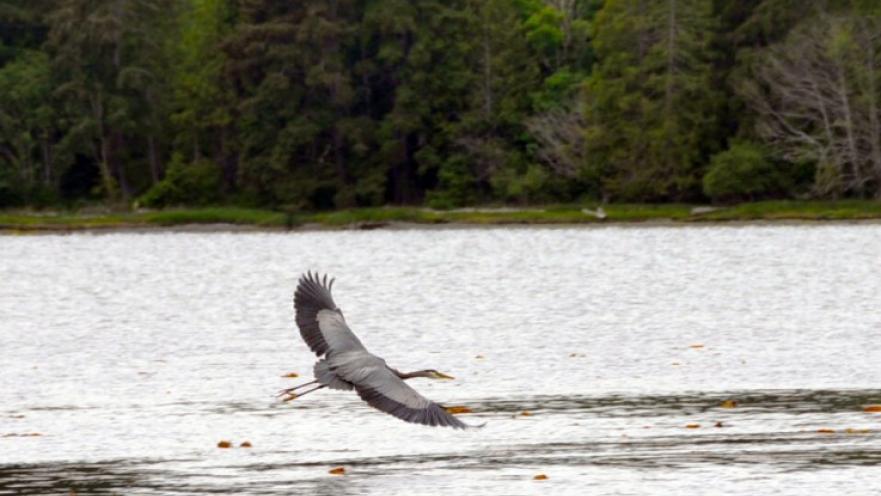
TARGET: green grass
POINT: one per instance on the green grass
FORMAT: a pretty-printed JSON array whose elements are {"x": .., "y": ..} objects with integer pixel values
[
  {"x": 221, "y": 215},
  {"x": 799, "y": 210},
  {"x": 377, "y": 217},
  {"x": 371, "y": 215},
  {"x": 173, "y": 217}
]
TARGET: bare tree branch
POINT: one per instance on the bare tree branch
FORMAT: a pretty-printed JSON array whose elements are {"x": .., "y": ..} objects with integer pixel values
[
  {"x": 561, "y": 139},
  {"x": 816, "y": 96}
]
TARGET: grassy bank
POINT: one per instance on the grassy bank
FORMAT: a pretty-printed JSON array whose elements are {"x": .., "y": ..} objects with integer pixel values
[{"x": 379, "y": 217}]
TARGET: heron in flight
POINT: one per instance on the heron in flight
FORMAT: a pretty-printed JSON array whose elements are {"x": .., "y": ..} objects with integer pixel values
[{"x": 345, "y": 364}]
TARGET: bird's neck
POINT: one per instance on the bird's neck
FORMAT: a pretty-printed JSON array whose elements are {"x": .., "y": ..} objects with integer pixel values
[{"x": 410, "y": 375}]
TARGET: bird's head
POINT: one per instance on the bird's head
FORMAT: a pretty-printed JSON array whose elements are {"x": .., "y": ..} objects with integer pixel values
[{"x": 434, "y": 374}]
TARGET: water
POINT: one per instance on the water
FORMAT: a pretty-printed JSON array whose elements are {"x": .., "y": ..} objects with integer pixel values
[{"x": 126, "y": 358}]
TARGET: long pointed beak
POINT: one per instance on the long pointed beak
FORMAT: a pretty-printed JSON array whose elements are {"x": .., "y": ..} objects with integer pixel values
[{"x": 444, "y": 376}]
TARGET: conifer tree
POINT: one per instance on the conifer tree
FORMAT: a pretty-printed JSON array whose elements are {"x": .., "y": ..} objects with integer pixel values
[{"x": 650, "y": 103}]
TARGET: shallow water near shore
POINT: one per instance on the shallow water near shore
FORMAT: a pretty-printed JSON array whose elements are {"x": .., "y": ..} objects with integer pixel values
[{"x": 617, "y": 360}]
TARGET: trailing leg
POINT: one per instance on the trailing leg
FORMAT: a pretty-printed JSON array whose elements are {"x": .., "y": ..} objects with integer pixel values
[
  {"x": 291, "y": 390},
  {"x": 292, "y": 395}
]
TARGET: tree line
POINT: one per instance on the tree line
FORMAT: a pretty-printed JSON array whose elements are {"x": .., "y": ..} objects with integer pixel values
[{"x": 320, "y": 104}]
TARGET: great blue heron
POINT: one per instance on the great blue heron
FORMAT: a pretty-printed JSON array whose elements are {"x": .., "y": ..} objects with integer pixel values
[{"x": 347, "y": 365}]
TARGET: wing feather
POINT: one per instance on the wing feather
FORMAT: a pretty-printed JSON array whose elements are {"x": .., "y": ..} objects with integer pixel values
[
  {"x": 384, "y": 390},
  {"x": 326, "y": 376},
  {"x": 348, "y": 364},
  {"x": 321, "y": 322}
]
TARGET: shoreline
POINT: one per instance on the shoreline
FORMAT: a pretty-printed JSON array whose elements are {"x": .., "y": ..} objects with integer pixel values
[
  {"x": 227, "y": 219},
  {"x": 407, "y": 226}
]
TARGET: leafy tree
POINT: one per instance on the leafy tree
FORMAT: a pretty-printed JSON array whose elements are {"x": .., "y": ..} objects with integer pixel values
[
  {"x": 650, "y": 102},
  {"x": 201, "y": 107},
  {"x": 298, "y": 130},
  {"x": 27, "y": 171},
  {"x": 335, "y": 103},
  {"x": 816, "y": 98},
  {"x": 743, "y": 172},
  {"x": 194, "y": 183},
  {"x": 22, "y": 27},
  {"x": 107, "y": 61},
  {"x": 425, "y": 66},
  {"x": 27, "y": 122},
  {"x": 490, "y": 132},
  {"x": 559, "y": 32}
]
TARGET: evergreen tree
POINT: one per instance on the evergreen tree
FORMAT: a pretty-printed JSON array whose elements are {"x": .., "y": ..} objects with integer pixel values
[
  {"x": 106, "y": 61},
  {"x": 290, "y": 65},
  {"x": 201, "y": 112},
  {"x": 27, "y": 123},
  {"x": 422, "y": 77},
  {"x": 487, "y": 141},
  {"x": 337, "y": 103},
  {"x": 27, "y": 172},
  {"x": 816, "y": 99},
  {"x": 650, "y": 102},
  {"x": 22, "y": 27}
]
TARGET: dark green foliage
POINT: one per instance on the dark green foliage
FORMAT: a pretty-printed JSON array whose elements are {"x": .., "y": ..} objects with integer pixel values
[
  {"x": 743, "y": 172},
  {"x": 311, "y": 96},
  {"x": 10, "y": 196},
  {"x": 22, "y": 27},
  {"x": 27, "y": 123},
  {"x": 329, "y": 104},
  {"x": 651, "y": 105},
  {"x": 107, "y": 67},
  {"x": 528, "y": 186},
  {"x": 197, "y": 184},
  {"x": 200, "y": 106}
]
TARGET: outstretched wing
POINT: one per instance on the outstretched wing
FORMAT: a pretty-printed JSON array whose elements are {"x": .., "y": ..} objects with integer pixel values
[
  {"x": 324, "y": 329},
  {"x": 384, "y": 390},
  {"x": 321, "y": 323}
]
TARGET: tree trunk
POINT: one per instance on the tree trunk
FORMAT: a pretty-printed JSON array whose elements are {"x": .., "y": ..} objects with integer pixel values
[
  {"x": 197, "y": 147},
  {"x": 854, "y": 155},
  {"x": 117, "y": 143},
  {"x": 669, "y": 90},
  {"x": 487, "y": 75},
  {"x": 874, "y": 131},
  {"x": 339, "y": 155},
  {"x": 642, "y": 42},
  {"x": 228, "y": 160},
  {"x": 824, "y": 111},
  {"x": 118, "y": 9},
  {"x": 156, "y": 172},
  {"x": 47, "y": 161},
  {"x": 104, "y": 164},
  {"x": 401, "y": 174},
  {"x": 671, "y": 59},
  {"x": 97, "y": 103}
]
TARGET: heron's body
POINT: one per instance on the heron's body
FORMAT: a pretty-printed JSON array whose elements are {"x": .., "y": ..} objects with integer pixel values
[{"x": 345, "y": 363}]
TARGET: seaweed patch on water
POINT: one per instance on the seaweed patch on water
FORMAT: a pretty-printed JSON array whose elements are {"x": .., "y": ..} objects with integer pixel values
[
  {"x": 109, "y": 477},
  {"x": 793, "y": 401},
  {"x": 142, "y": 476}
]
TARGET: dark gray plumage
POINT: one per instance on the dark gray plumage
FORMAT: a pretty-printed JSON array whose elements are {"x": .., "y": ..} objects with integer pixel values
[{"x": 346, "y": 363}]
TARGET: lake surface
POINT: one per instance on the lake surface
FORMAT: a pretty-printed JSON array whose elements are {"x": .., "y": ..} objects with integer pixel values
[{"x": 127, "y": 357}]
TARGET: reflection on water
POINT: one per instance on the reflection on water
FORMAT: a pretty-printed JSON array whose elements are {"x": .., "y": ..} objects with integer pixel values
[
  {"x": 127, "y": 357},
  {"x": 64, "y": 478},
  {"x": 653, "y": 438},
  {"x": 748, "y": 402}
]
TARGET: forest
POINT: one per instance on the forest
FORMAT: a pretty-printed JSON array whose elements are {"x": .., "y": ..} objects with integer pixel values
[{"x": 329, "y": 104}]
